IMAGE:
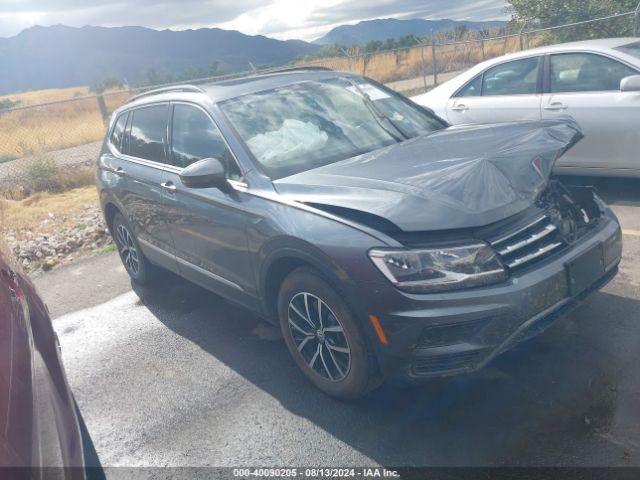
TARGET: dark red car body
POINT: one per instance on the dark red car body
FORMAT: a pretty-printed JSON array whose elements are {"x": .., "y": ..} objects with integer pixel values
[{"x": 38, "y": 421}]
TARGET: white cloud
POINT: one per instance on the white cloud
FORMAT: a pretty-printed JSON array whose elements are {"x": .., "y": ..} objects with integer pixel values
[
  {"x": 282, "y": 19},
  {"x": 285, "y": 19}
]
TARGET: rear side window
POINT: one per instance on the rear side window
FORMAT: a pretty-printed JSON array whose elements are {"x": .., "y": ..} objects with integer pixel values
[
  {"x": 586, "y": 72},
  {"x": 194, "y": 136},
  {"x": 118, "y": 131},
  {"x": 631, "y": 49},
  {"x": 512, "y": 78},
  {"x": 148, "y": 128}
]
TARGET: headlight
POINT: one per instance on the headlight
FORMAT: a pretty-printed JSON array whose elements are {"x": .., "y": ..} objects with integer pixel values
[{"x": 440, "y": 269}]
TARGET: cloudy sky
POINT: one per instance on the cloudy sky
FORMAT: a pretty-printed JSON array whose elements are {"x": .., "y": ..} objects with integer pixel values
[{"x": 282, "y": 19}]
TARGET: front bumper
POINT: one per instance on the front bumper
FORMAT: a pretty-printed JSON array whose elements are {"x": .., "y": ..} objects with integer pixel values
[{"x": 431, "y": 335}]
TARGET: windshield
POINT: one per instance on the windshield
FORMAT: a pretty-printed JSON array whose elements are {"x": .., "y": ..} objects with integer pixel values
[
  {"x": 631, "y": 49},
  {"x": 307, "y": 125}
]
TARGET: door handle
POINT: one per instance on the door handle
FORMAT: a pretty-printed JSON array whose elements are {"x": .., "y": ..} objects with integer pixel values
[
  {"x": 556, "y": 106},
  {"x": 168, "y": 186},
  {"x": 460, "y": 108},
  {"x": 119, "y": 172}
]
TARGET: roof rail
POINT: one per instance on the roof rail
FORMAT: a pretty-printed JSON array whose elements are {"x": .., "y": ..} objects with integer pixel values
[
  {"x": 175, "y": 88},
  {"x": 293, "y": 69}
]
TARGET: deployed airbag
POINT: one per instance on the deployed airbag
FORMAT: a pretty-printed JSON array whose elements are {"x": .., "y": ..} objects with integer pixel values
[{"x": 294, "y": 138}]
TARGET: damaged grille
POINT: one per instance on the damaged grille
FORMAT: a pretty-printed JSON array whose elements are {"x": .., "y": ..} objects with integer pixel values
[{"x": 532, "y": 242}]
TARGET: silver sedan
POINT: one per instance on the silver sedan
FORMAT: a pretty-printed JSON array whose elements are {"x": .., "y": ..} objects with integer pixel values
[{"x": 597, "y": 82}]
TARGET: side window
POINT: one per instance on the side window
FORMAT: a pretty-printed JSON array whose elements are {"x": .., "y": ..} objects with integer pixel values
[
  {"x": 194, "y": 137},
  {"x": 118, "y": 131},
  {"x": 586, "y": 72},
  {"x": 512, "y": 78},
  {"x": 148, "y": 127},
  {"x": 471, "y": 89}
]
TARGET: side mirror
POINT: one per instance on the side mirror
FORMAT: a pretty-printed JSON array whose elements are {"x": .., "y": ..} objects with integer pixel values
[
  {"x": 205, "y": 173},
  {"x": 630, "y": 84}
]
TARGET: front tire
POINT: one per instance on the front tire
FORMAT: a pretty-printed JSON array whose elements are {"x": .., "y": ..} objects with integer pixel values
[
  {"x": 135, "y": 263},
  {"x": 323, "y": 337}
]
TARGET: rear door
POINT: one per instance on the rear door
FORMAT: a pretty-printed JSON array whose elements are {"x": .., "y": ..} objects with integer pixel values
[
  {"x": 586, "y": 86},
  {"x": 208, "y": 225},
  {"x": 506, "y": 92},
  {"x": 144, "y": 147}
]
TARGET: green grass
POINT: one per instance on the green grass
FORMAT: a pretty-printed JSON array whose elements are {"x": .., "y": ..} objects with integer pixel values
[
  {"x": 106, "y": 249},
  {"x": 6, "y": 158}
]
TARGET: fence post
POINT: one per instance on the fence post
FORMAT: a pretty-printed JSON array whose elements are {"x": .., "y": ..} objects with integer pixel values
[
  {"x": 346, "y": 54},
  {"x": 103, "y": 109},
  {"x": 434, "y": 63},
  {"x": 521, "y": 36},
  {"x": 423, "y": 67},
  {"x": 482, "y": 45},
  {"x": 636, "y": 19}
]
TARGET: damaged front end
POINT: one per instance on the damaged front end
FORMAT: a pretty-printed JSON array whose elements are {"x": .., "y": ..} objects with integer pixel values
[
  {"x": 482, "y": 245},
  {"x": 561, "y": 216}
]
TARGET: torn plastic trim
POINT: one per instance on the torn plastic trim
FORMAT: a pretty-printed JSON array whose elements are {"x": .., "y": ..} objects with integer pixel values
[{"x": 358, "y": 216}]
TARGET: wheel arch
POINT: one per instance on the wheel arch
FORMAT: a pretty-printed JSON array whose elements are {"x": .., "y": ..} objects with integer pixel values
[
  {"x": 285, "y": 257},
  {"x": 110, "y": 211}
]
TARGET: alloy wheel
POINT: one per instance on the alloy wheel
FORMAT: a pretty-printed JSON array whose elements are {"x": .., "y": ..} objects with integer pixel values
[
  {"x": 127, "y": 249},
  {"x": 319, "y": 336}
]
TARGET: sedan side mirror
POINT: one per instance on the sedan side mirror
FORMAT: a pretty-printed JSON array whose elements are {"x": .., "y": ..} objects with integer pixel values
[
  {"x": 205, "y": 173},
  {"x": 630, "y": 84}
]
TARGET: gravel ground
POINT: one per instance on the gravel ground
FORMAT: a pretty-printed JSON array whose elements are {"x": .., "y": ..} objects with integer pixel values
[{"x": 37, "y": 251}]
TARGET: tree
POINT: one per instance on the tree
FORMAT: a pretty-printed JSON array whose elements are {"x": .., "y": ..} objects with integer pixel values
[
  {"x": 155, "y": 77},
  {"x": 105, "y": 84},
  {"x": 549, "y": 13}
]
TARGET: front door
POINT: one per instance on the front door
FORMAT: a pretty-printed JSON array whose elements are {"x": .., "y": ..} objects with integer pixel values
[
  {"x": 586, "y": 86},
  {"x": 208, "y": 225},
  {"x": 504, "y": 93}
]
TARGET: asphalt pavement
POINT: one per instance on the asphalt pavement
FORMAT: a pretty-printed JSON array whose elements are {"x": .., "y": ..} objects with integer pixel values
[{"x": 176, "y": 376}]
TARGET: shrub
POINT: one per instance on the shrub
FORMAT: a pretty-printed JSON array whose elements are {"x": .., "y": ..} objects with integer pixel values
[
  {"x": 40, "y": 174},
  {"x": 8, "y": 103}
]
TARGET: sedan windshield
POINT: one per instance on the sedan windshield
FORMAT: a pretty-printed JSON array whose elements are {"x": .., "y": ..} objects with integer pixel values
[{"x": 307, "y": 125}]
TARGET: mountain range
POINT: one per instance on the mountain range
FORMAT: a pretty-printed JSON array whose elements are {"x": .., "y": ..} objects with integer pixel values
[
  {"x": 60, "y": 56},
  {"x": 384, "y": 28}
]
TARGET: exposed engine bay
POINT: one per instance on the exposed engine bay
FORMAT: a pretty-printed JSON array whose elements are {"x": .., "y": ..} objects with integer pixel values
[{"x": 572, "y": 209}]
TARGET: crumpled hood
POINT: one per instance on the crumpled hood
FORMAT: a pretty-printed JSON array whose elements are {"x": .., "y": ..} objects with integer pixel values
[{"x": 458, "y": 177}]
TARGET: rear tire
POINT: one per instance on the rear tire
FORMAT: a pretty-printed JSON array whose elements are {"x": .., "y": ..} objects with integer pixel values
[
  {"x": 323, "y": 337},
  {"x": 135, "y": 263}
]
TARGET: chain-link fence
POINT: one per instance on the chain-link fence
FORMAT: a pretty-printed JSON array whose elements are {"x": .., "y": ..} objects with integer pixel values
[{"x": 36, "y": 140}]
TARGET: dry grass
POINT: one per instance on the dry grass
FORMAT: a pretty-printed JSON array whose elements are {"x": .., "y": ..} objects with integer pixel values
[
  {"x": 52, "y": 127},
  {"x": 405, "y": 64},
  {"x": 33, "y": 214},
  {"x": 49, "y": 95}
]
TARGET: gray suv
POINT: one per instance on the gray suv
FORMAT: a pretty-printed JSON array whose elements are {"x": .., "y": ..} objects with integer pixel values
[{"x": 386, "y": 243}]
